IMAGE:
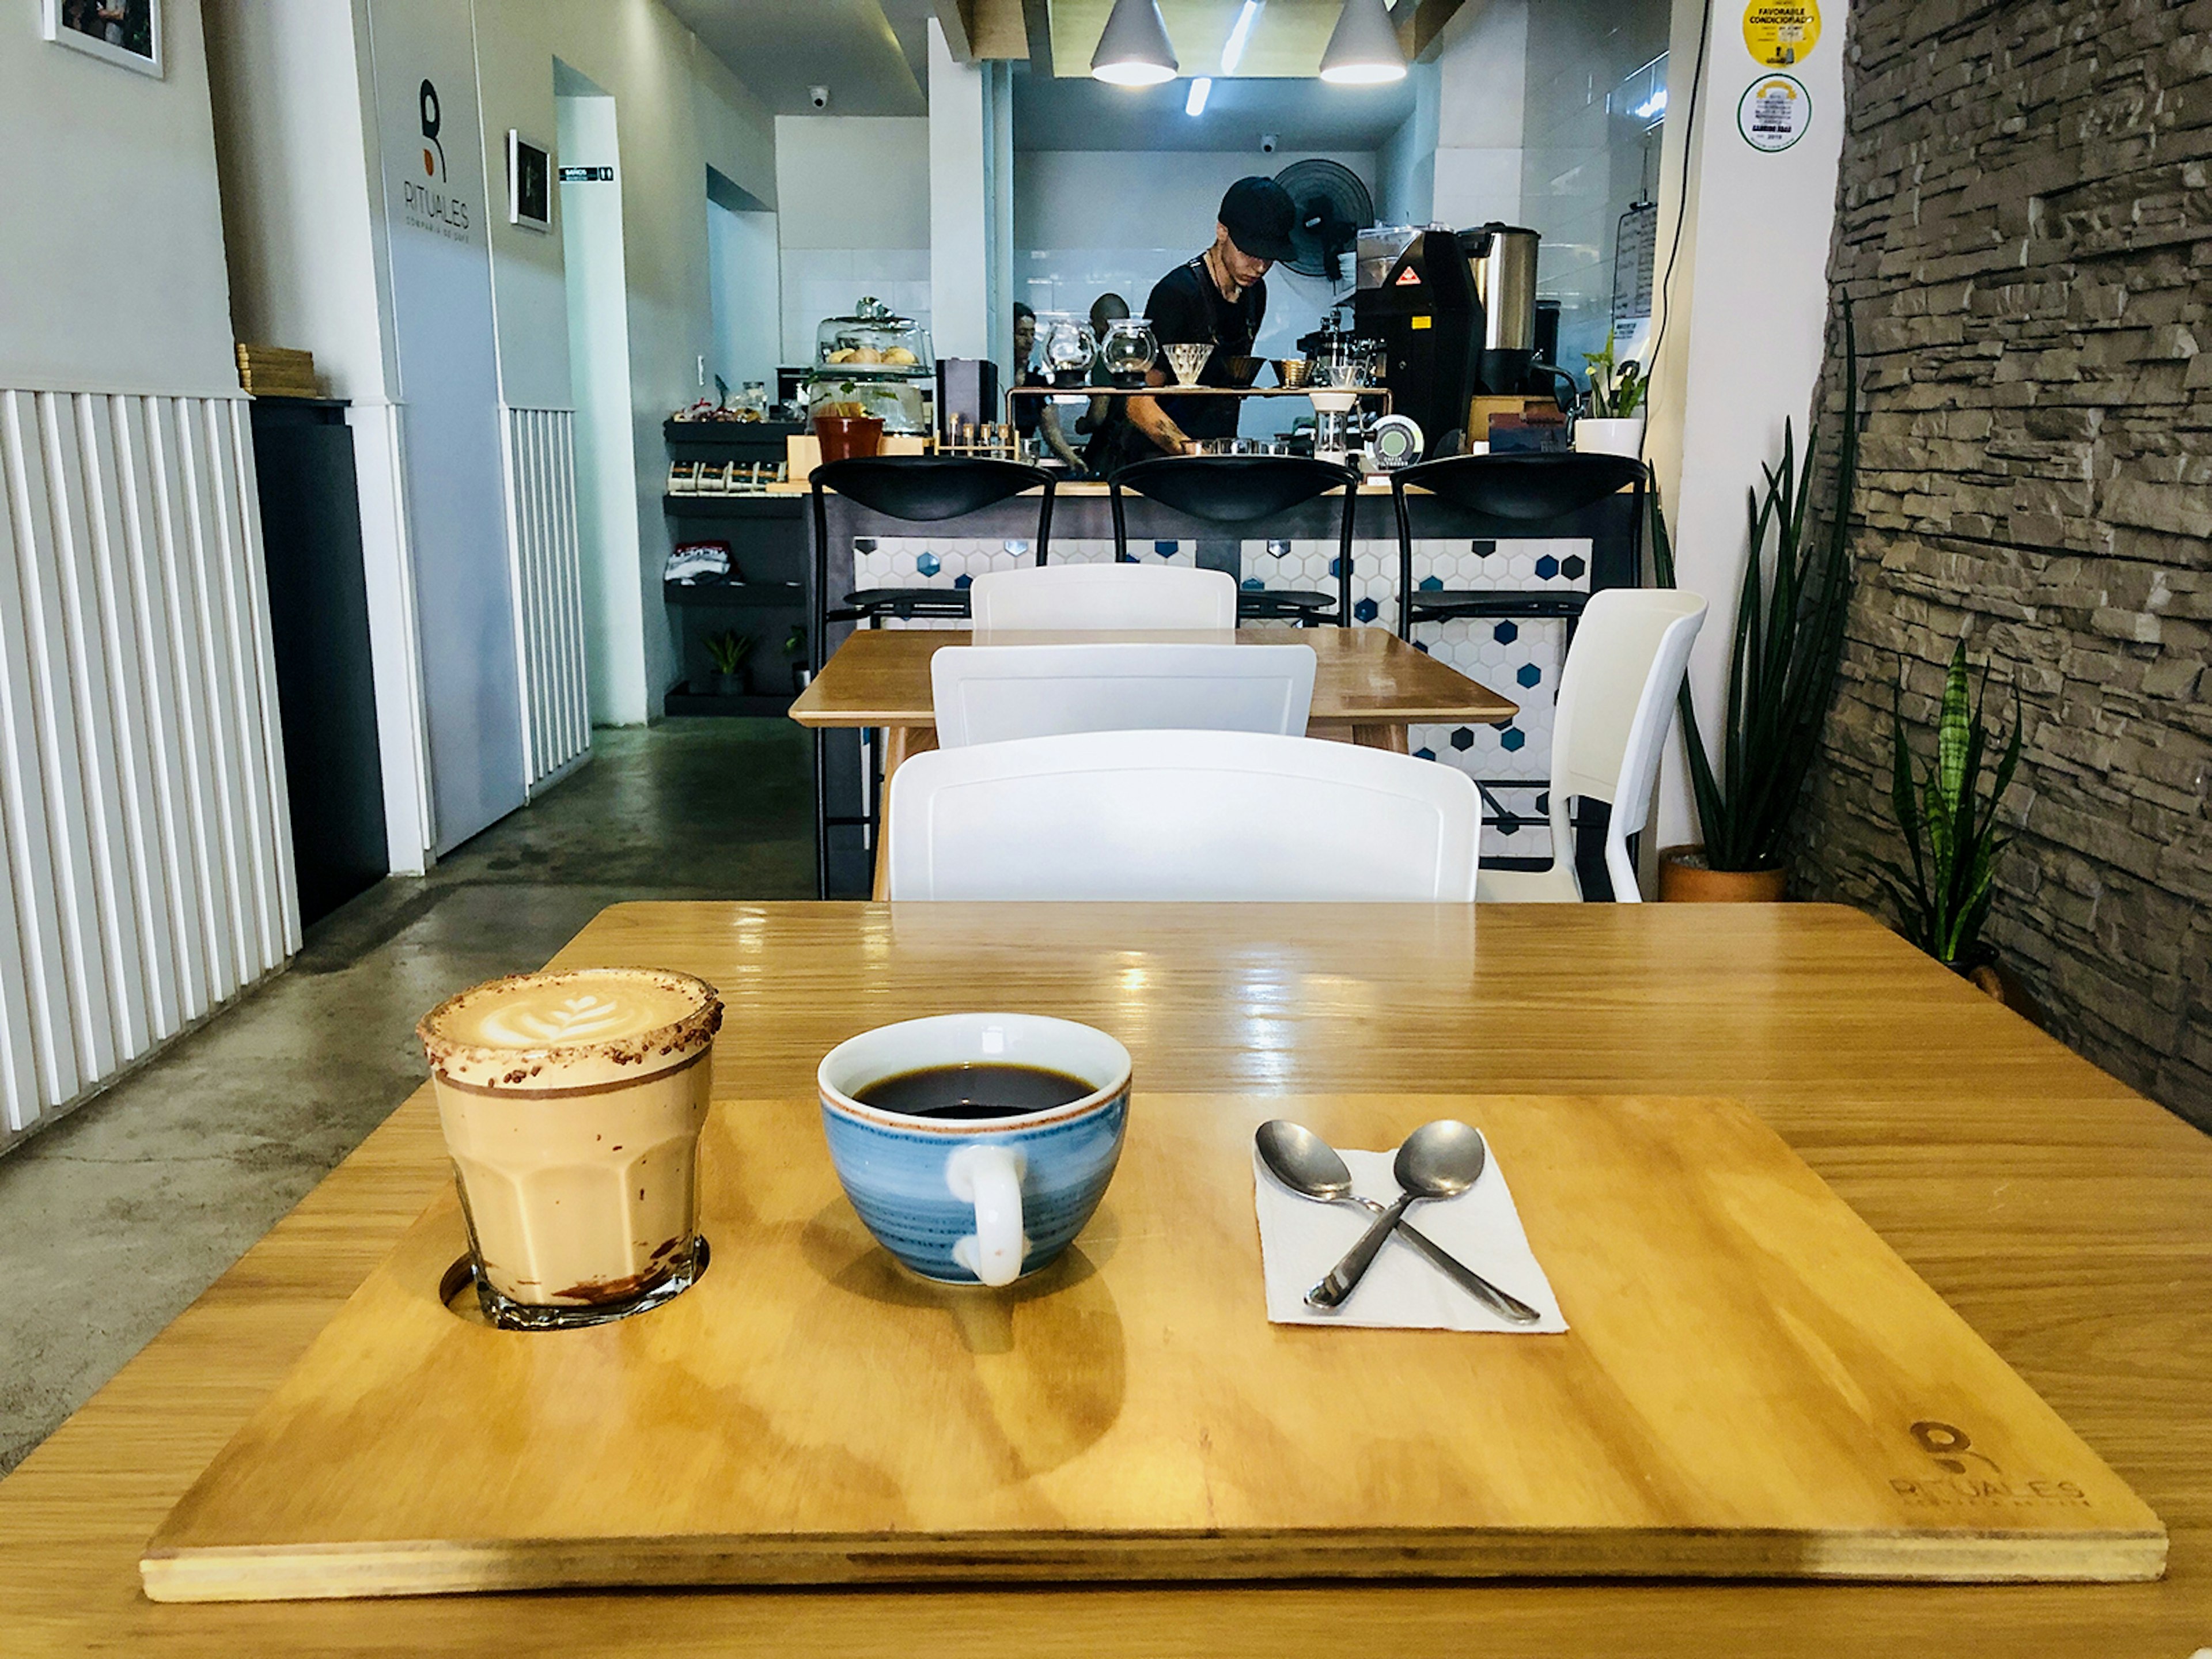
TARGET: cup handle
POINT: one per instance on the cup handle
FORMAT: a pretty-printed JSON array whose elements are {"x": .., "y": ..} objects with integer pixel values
[{"x": 990, "y": 1177}]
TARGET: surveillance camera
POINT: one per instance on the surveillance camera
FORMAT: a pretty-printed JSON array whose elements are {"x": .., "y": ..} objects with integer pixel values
[
  {"x": 818, "y": 96},
  {"x": 1266, "y": 143}
]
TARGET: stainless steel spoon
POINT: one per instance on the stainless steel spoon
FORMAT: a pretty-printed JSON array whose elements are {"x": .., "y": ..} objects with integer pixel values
[
  {"x": 1311, "y": 1168},
  {"x": 1438, "y": 1160}
]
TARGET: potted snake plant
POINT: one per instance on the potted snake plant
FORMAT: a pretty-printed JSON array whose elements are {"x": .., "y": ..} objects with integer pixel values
[
  {"x": 1783, "y": 664},
  {"x": 1952, "y": 835}
]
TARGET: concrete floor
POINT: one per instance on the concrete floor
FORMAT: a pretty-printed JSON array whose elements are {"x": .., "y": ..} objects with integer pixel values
[{"x": 128, "y": 1208}]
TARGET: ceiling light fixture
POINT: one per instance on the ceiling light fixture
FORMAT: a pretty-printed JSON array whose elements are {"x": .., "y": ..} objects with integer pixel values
[
  {"x": 1195, "y": 104},
  {"x": 1232, "y": 50},
  {"x": 1364, "y": 50},
  {"x": 1133, "y": 50}
]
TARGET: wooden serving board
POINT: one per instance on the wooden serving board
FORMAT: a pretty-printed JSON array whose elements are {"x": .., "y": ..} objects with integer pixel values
[{"x": 1755, "y": 1385}]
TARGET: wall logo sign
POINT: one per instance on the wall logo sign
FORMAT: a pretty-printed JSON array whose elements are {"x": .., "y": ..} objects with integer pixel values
[
  {"x": 1780, "y": 32},
  {"x": 432, "y": 204},
  {"x": 1773, "y": 113},
  {"x": 588, "y": 175}
]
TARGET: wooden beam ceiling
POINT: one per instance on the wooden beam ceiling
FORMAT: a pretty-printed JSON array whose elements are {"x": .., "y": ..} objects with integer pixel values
[{"x": 984, "y": 30}]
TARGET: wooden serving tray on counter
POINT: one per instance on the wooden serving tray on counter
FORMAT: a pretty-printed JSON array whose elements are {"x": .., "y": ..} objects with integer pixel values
[{"x": 1755, "y": 1386}]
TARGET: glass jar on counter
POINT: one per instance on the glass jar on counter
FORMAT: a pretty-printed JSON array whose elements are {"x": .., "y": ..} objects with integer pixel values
[
  {"x": 1065, "y": 347},
  {"x": 1129, "y": 349},
  {"x": 872, "y": 342}
]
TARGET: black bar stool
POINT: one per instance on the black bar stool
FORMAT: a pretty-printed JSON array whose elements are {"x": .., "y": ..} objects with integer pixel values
[
  {"x": 1527, "y": 492},
  {"x": 1235, "y": 489},
  {"x": 918, "y": 489}
]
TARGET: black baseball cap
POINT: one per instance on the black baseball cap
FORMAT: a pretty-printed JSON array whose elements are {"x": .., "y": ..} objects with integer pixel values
[{"x": 1258, "y": 215}]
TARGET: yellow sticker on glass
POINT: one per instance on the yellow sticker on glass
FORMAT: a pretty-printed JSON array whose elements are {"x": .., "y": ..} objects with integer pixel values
[{"x": 1780, "y": 32}]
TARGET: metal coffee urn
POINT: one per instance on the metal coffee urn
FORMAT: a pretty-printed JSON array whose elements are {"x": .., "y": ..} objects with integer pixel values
[{"x": 1502, "y": 258}]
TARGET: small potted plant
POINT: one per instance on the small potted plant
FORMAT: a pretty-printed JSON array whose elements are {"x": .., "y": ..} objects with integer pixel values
[
  {"x": 794, "y": 648},
  {"x": 1951, "y": 833},
  {"x": 1613, "y": 424},
  {"x": 728, "y": 651}
]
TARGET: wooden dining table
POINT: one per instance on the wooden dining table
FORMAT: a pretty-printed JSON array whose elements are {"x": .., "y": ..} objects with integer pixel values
[
  {"x": 2061, "y": 1215},
  {"x": 1370, "y": 686}
]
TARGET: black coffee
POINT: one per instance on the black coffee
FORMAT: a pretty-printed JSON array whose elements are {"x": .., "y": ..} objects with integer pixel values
[{"x": 973, "y": 1092}]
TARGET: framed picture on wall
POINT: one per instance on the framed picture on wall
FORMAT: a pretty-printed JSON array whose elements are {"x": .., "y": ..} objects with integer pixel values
[
  {"x": 529, "y": 183},
  {"x": 125, "y": 31}
]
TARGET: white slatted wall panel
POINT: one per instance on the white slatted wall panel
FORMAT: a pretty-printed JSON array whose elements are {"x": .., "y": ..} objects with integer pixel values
[
  {"x": 549, "y": 589},
  {"x": 142, "y": 819}
]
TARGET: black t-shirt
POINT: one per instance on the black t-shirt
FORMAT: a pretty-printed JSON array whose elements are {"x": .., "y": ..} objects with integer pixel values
[
  {"x": 1028, "y": 411},
  {"x": 1186, "y": 307}
]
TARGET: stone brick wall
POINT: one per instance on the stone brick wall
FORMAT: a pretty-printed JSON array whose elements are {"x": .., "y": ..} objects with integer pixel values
[{"x": 2025, "y": 226}]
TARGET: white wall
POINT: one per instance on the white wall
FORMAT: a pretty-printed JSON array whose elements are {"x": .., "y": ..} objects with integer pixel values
[
  {"x": 852, "y": 211},
  {"x": 1582, "y": 164},
  {"x": 678, "y": 112},
  {"x": 1405, "y": 166},
  {"x": 1743, "y": 325},
  {"x": 590, "y": 218},
  {"x": 111, "y": 275},
  {"x": 1483, "y": 61},
  {"x": 145, "y": 846}
]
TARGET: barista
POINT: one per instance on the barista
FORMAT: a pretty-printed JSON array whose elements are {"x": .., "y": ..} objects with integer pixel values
[{"x": 1219, "y": 299}]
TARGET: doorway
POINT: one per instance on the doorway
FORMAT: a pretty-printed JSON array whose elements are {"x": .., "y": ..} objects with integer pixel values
[
  {"x": 599, "y": 376},
  {"x": 745, "y": 280}
]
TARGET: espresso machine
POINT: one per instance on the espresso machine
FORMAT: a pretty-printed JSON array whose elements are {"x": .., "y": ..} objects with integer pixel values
[{"x": 1454, "y": 315}]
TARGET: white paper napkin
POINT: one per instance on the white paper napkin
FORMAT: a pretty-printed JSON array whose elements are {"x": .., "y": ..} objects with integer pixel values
[{"x": 1301, "y": 1240}]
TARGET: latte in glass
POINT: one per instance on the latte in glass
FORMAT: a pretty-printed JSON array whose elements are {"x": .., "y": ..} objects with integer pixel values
[{"x": 572, "y": 1103}]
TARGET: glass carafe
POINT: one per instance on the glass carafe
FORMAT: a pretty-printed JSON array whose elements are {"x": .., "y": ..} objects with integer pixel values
[
  {"x": 1065, "y": 347},
  {"x": 1128, "y": 350}
]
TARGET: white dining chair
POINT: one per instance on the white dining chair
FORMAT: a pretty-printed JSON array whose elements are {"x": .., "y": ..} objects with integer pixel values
[
  {"x": 1104, "y": 596},
  {"x": 1191, "y": 816},
  {"x": 1616, "y": 701},
  {"x": 993, "y": 693}
]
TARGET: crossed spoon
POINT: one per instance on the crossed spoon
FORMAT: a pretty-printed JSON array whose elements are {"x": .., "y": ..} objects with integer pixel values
[{"x": 1438, "y": 1160}]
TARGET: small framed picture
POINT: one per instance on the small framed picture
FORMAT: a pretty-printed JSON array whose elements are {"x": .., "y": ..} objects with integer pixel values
[
  {"x": 125, "y": 31},
  {"x": 529, "y": 183}
]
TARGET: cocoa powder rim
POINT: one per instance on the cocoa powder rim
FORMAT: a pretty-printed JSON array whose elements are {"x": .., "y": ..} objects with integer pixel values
[{"x": 650, "y": 1052}]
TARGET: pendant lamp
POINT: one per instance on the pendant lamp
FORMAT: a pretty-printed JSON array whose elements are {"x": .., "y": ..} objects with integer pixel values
[
  {"x": 1364, "y": 50},
  {"x": 1133, "y": 50}
]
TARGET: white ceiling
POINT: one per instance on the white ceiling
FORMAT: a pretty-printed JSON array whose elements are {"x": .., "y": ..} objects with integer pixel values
[
  {"x": 1058, "y": 112},
  {"x": 872, "y": 56}
]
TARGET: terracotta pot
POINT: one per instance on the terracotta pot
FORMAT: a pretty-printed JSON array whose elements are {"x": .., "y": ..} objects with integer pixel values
[
  {"x": 1995, "y": 979},
  {"x": 1684, "y": 879},
  {"x": 847, "y": 437}
]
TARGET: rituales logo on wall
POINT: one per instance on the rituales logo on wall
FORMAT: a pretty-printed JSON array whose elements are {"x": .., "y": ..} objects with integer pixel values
[{"x": 430, "y": 203}]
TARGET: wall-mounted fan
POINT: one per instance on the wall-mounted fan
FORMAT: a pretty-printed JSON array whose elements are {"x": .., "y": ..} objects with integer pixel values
[{"x": 1333, "y": 207}]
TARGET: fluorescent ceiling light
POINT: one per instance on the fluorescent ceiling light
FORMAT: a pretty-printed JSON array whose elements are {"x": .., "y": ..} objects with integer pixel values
[
  {"x": 1195, "y": 104},
  {"x": 1232, "y": 51},
  {"x": 1363, "y": 51},
  {"x": 1133, "y": 50}
]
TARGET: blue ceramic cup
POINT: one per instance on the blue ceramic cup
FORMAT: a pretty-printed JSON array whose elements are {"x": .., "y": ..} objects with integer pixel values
[{"x": 969, "y": 1200}]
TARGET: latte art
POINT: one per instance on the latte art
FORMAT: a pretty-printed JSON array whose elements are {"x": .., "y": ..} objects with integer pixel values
[
  {"x": 558, "y": 1011},
  {"x": 576, "y": 1020}
]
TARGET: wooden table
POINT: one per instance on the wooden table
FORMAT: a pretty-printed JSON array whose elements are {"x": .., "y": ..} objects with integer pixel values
[
  {"x": 1370, "y": 686},
  {"x": 2063, "y": 1216}
]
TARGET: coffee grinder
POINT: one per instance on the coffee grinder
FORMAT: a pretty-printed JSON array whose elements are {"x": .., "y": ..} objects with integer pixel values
[{"x": 1454, "y": 312}]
